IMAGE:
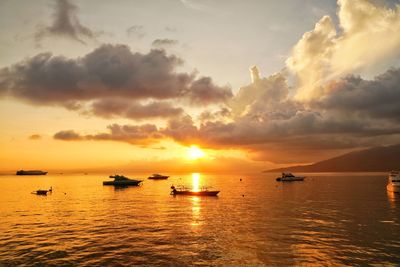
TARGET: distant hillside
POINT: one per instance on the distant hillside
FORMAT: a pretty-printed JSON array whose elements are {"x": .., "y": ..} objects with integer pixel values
[{"x": 377, "y": 159}]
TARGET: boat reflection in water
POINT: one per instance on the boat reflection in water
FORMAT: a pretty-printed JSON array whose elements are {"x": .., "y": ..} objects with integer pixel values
[
  {"x": 394, "y": 199},
  {"x": 394, "y": 182}
]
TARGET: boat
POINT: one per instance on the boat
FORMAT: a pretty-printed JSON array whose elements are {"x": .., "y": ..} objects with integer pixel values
[
  {"x": 120, "y": 180},
  {"x": 34, "y": 172},
  {"x": 394, "y": 182},
  {"x": 43, "y": 192},
  {"x": 157, "y": 176},
  {"x": 185, "y": 191},
  {"x": 288, "y": 177}
]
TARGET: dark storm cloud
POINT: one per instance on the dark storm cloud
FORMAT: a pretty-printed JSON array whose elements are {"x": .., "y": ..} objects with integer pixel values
[
  {"x": 109, "y": 71},
  {"x": 66, "y": 24},
  {"x": 164, "y": 42},
  {"x": 377, "y": 98},
  {"x": 109, "y": 108}
]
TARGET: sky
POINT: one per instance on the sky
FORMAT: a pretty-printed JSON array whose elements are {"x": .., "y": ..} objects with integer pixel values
[{"x": 143, "y": 85}]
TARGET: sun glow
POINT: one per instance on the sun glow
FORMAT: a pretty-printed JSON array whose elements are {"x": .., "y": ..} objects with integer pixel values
[{"x": 194, "y": 152}]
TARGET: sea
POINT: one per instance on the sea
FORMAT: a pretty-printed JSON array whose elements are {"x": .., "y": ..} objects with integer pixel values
[{"x": 329, "y": 219}]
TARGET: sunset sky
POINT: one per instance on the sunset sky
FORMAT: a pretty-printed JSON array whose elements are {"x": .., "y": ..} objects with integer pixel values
[{"x": 195, "y": 85}]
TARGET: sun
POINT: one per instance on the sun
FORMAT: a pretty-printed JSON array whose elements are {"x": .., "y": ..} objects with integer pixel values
[{"x": 194, "y": 152}]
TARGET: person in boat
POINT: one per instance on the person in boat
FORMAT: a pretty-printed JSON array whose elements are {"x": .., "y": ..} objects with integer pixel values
[{"x": 173, "y": 190}]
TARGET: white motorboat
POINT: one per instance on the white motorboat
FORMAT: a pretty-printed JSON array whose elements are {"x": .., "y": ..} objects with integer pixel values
[
  {"x": 288, "y": 177},
  {"x": 394, "y": 182},
  {"x": 120, "y": 180}
]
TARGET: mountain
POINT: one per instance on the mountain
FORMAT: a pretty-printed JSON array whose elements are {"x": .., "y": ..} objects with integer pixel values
[{"x": 377, "y": 159}]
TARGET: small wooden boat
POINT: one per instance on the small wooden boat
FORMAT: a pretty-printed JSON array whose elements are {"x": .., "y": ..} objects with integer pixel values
[
  {"x": 185, "y": 191},
  {"x": 42, "y": 192},
  {"x": 157, "y": 176},
  {"x": 288, "y": 177},
  {"x": 120, "y": 180}
]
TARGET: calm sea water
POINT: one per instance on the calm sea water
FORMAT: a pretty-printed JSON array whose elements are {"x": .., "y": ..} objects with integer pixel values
[{"x": 329, "y": 219}]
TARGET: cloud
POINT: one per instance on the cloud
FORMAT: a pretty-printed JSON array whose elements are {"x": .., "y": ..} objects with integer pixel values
[
  {"x": 378, "y": 98},
  {"x": 310, "y": 57},
  {"x": 328, "y": 110},
  {"x": 35, "y": 137},
  {"x": 136, "y": 31},
  {"x": 132, "y": 134},
  {"x": 68, "y": 135},
  {"x": 164, "y": 42},
  {"x": 203, "y": 92},
  {"x": 368, "y": 37},
  {"x": 109, "y": 108},
  {"x": 110, "y": 71},
  {"x": 220, "y": 114},
  {"x": 66, "y": 24},
  {"x": 265, "y": 120}
]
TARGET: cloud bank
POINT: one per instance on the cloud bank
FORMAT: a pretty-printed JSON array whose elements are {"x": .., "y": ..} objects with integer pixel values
[
  {"x": 266, "y": 121},
  {"x": 103, "y": 77}
]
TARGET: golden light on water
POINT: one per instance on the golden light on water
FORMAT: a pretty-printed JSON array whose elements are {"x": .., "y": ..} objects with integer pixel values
[
  {"x": 196, "y": 181},
  {"x": 195, "y": 211},
  {"x": 194, "y": 152}
]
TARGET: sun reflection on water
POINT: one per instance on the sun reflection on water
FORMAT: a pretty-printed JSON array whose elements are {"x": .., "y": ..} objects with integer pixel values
[
  {"x": 196, "y": 181},
  {"x": 195, "y": 211}
]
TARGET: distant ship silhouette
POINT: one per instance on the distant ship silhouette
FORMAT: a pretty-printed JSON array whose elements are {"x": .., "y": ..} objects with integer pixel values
[{"x": 32, "y": 172}]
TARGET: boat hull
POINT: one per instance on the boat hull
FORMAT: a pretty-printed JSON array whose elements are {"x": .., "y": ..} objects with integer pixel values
[
  {"x": 158, "y": 178},
  {"x": 194, "y": 193},
  {"x": 122, "y": 183},
  {"x": 22, "y": 172},
  {"x": 279, "y": 179}
]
